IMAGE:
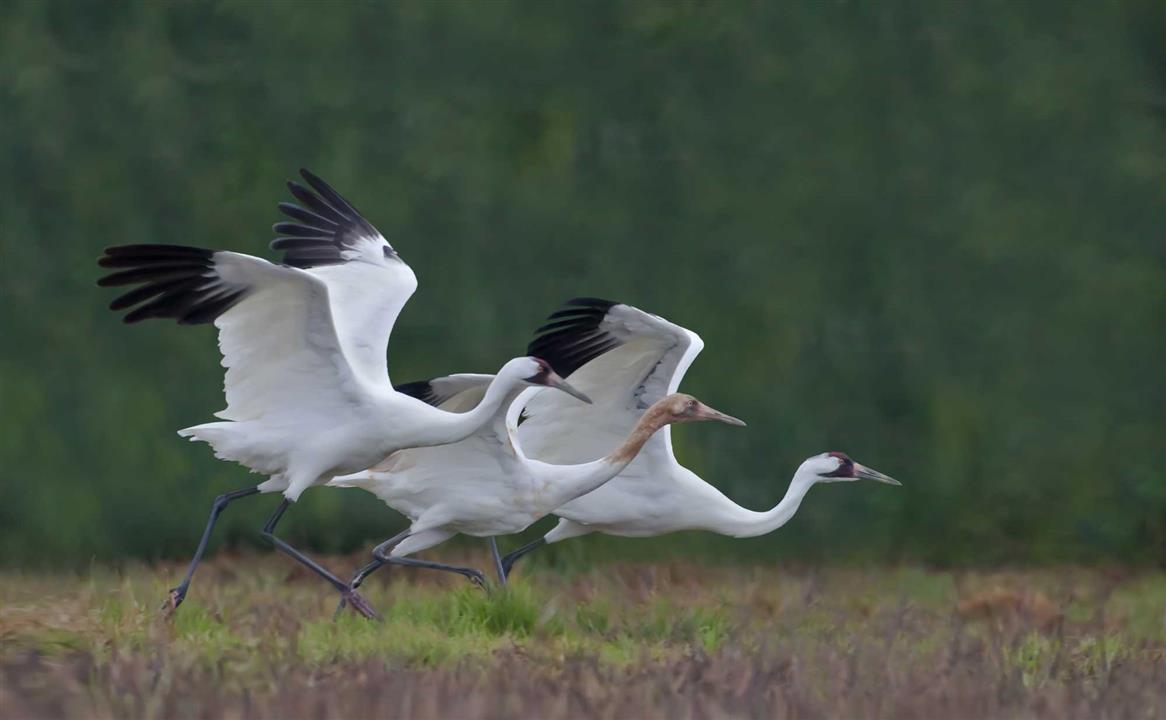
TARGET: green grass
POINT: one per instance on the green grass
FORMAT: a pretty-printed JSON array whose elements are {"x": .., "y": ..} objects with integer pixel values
[{"x": 839, "y": 641}]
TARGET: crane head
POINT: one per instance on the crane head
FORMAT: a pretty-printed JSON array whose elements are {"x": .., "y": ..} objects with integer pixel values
[
  {"x": 838, "y": 467},
  {"x": 541, "y": 373},
  {"x": 680, "y": 407}
]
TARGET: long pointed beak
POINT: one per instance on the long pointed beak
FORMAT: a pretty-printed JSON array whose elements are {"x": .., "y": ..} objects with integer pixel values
[
  {"x": 707, "y": 413},
  {"x": 866, "y": 473},
  {"x": 553, "y": 380}
]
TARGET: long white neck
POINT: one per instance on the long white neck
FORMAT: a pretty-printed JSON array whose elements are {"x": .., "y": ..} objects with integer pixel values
[
  {"x": 567, "y": 482},
  {"x": 447, "y": 427},
  {"x": 737, "y": 521}
]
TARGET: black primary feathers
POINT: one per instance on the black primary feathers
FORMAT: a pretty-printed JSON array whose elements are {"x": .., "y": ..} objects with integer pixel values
[
  {"x": 176, "y": 282},
  {"x": 571, "y": 337},
  {"x": 422, "y": 390},
  {"x": 326, "y": 224},
  {"x": 180, "y": 282}
]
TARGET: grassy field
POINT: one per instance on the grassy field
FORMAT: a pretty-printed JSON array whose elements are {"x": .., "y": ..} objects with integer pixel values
[{"x": 256, "y": 639}]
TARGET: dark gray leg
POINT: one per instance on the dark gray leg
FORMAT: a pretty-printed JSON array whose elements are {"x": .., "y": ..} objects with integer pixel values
[
  {"x": 370, "y": 568},
  {"x": 381, "y": 553},
  {"x": 346, "y": 591},
  {"x": 381, "y": 558},
  {"x": 508, "y": 561},
  {"x": 474, "y": 576},
  {"x": 497, "y": 561},
  {"x": 178, "y": 594}
]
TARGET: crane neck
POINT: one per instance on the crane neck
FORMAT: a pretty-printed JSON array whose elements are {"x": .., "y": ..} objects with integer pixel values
[
  {"x": 452, "y": 426},
  {"x": 577, "y": 480},
  {"x": 742, "y": 522}
]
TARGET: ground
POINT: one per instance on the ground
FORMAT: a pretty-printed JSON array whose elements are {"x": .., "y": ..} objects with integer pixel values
[{"x": 256, "y": 639}]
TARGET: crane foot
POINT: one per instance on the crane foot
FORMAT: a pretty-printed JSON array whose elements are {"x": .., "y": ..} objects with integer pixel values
[
  {"x": 173, "y": 600},
  {"x": 358, "y": 603}
]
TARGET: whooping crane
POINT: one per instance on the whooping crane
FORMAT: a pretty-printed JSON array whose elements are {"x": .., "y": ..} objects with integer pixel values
[
  {"x": 485, "y": 485},
  {"x": 304, "y": 344},
  {"x": 625, "y": 359}
]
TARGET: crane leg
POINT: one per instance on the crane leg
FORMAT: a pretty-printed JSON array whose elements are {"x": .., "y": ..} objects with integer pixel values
[
  {"x": 381, "y": 557},
  {"x": 474, "y": 576},
  {"x": 376, "y": 563},
  {"x": 507, "y": 563},
  {"x": 178, "y": 594},
  {"x": 497, "y": 561},
  {"x": 419, "y": 541},
  {"x": 347, "y": 593}
]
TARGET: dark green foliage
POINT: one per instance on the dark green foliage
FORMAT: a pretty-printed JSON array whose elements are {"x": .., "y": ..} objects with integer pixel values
[{"x": 929, "y": 235}]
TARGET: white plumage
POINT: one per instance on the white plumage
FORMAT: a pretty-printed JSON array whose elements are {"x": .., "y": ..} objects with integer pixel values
[
  {"x": 484, "y": 485},
  {"x": 625, "y": 359},
  {"x": 304, "y": 345}
]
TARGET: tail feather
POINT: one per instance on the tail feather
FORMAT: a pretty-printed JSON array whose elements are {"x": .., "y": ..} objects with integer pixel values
[{"x": 230, "y": 441}]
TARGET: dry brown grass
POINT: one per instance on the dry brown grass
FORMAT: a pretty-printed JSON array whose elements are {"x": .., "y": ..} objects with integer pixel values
[{"x": 675, "y": 641}]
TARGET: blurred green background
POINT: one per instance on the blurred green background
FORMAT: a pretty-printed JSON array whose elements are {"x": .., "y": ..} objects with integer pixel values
[{"x": 932, "y": 235}]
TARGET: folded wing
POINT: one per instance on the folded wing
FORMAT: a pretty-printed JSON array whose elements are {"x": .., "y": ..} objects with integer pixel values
[
  {"x": 458, "y": 393},
  {"x": 410, "y": 478}
]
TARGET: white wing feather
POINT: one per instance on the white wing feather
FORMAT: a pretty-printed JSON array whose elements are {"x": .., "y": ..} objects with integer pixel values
[
  {"x": 460, "y": 392},
  {"x": 279, "y": 344},
  {"x": 368, "y": 281},
  {"x": 366, "y": 300},
  {"x": 650, "y": 361}
]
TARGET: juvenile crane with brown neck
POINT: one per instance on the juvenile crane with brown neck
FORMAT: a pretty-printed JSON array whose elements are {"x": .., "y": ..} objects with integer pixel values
[{"x": 485, "y": 485}]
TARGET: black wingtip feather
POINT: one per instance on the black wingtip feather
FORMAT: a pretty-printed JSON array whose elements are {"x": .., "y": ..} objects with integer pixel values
[
  {"x": 420, "y": 389},
  {"x": 174, "y": 281},
  {"x": 572, "y": 338},
  {"x": 323, "y": 215}
]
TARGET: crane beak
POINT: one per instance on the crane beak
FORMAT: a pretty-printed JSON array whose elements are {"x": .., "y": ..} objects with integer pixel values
[
  {"x": 862, "y": 471},
  {"x": 553, "y": 380},
  {"x": 704, "y": 412}
]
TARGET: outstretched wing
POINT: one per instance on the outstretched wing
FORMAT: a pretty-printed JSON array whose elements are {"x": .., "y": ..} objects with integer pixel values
[
  {"x": 623, "y": 358},
  {"x": 279, "y": 345},
  {"x": 367, "y": 280}
]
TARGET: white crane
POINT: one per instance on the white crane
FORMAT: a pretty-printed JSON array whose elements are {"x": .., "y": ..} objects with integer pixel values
[
  {"x": 485, "y": 485},
  {"x": 626, "y": 359},
  {"x": 304, "y": 344}
]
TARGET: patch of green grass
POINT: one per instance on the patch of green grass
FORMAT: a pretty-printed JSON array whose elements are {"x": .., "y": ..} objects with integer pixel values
[
  {"x": 205, "y": 634},
  {"x": 667, "y": 621},
  {"x": 255, "y": 617},
  {"x": 595, "y": 617},
  {"x": 1032, "y": 657},
  {"x": 430, "y": 628},
  {"x": 403, "y": 639},
  {"x": 1140, "y": 607},
  {"x": 926, "y": 589}
]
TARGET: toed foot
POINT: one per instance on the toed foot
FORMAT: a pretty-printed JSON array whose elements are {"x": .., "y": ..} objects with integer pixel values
[
  {"x": 173, "y": 600},
  {"x": 477, "y": 578},
  {"x": 354, "y": 599}
]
